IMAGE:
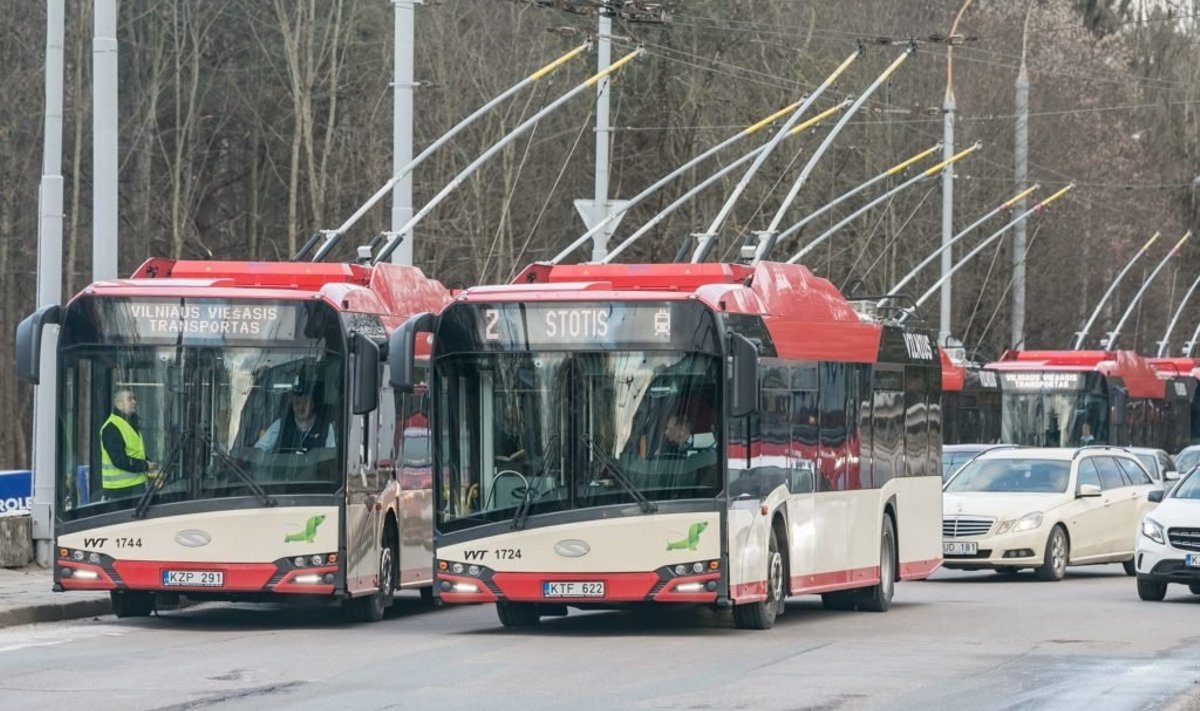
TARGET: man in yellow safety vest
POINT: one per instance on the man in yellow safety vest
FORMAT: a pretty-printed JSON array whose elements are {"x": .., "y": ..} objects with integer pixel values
[{"x": 122, "y": 450}]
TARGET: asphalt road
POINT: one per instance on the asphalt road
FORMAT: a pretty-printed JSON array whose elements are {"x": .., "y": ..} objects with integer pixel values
[{"x": 958, "y": 641}]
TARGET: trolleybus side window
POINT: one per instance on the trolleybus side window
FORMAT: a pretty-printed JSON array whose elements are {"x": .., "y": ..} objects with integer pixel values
[
  {"x": 887, "y": 425},
  {"x": 833, "y": 426},
  {"x": 916, "y": 421}
]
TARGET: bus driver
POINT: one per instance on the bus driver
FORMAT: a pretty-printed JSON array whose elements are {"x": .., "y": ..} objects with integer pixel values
[{"x": 301, "y": 429}]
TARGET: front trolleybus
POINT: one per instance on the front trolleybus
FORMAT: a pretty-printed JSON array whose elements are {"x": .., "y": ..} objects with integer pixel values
[
  {"x": 715, "y": 434},
  {"x": 221, "y": 435}
]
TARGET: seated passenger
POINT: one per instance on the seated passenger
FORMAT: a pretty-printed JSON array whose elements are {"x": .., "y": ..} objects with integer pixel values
[{"x": 301, "y": 429}]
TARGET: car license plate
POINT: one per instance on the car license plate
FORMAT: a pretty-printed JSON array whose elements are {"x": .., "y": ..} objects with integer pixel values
[
  {"x": 1192, "y": 560},
  {"x": 573, "y": 589},
  {"x": 960, "y": 548},
  {"x": 194, "y": 578}
]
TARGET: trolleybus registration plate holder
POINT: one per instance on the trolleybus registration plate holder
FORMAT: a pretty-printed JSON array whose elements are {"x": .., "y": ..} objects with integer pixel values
[
  {"x": 193, "y": 578},
  {"x": 573, "y": 588}
]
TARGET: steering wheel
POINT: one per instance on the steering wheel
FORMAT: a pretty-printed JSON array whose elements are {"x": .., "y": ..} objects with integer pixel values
[
  {"x": 290, "y": 450},
  {"x": 519, "y": 491},
  {"x": 669, "y": 455}
]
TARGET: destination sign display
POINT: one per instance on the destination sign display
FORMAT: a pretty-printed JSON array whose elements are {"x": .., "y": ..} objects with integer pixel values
[
  {"x": 199, "y": 320},
  {"x": 1042, "y": 380},
  {"x": 583, "y": 325}
]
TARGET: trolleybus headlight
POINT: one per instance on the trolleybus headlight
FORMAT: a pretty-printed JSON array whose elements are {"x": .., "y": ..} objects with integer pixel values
[
  {"x": 690, "y": 588},
  {"x": 298, "y": 561},
  {"x": 465, "y": 588},
  {"x": 1153, "y": 531},
  {"x": 457, "y": 568},
  {"x": 681, "y": 569},
  {"x": 308, "y": 579},
  {"x": 473, "y": 571},
  {"x": 317, "y": 560},
  {"x": 697, "y": 567},
  {"x": 77, "y": 555},
  {"x": 87, "y": 574},
  {"x": 94, "y": 558}
]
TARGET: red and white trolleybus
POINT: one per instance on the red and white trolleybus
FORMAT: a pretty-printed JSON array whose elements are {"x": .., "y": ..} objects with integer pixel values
[
  {"x": 717, "y": 434},
  {"x": 276, "y": 469}
]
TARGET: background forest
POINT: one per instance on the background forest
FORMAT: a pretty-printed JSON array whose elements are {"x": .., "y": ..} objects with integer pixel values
[{"x": 246, "y": 125}]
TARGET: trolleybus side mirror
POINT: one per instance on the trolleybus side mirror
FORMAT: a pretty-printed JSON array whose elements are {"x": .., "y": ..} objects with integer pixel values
[
  {"x": 743, "y": 383},
  {"x": 366, "y": 374},
  {"x": 402, "y": 350},
  {"x": 29, "y": 341}
]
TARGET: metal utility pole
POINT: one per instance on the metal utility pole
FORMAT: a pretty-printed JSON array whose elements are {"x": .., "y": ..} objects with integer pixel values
[
  {"x": 1021, "y": 178},
  {"x": 948, "y": 111},
  {"x": 104, "y": 141},
  {"x": 402, "y": 128},
  {"x": 1166, "y": 339},
  {"x": 1111, "y": 342},
  {"x": 1083, "y": 332},
  {"x": 597, "y": 210},
  {"x": 49, "y": 285}
]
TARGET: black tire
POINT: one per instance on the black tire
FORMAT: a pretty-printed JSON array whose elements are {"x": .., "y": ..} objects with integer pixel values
[
  {"x": 1130, "y": 567},
  {"x": 518, "y": 614},
  {"x": 1054, "y": 560},
  {"x": 839, "y": 601},
  {"x": 427, "y": 598},
  {"x": 1151, "y": 590},
  {"x": 1195, "y": 588},
  {"x": 132, "y": 603},
  {"x": 761, "y": 615},
  {"x": 878, "y": 598},
  {"x": 373, "y": 607}
]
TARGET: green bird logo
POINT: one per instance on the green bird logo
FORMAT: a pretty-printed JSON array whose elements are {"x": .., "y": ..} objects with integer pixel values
[
  {"x": 309, "y": 534},
  {"x": 693, "y": 538}
]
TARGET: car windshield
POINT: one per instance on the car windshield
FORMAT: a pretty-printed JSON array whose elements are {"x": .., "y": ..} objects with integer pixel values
[
  {"x": 1012, "y": 476},
  {"x": 1187, "y": 459},
  {"x": 951, "y": 461},
  {"x": 1149, "y": 462},
  {"x": 1188, "y": 487}
]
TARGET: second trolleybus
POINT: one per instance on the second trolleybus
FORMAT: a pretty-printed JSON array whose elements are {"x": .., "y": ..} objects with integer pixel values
[{"x": 713, "y": 434}]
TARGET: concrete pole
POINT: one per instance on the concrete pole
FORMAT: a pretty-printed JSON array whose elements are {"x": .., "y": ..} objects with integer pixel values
[
  {"x": 949, "y": 109},
  {"x": 402, "y": 127},
  {"x": 1021, "y": 179},
  {"x": 104, "y": 141},
  {"x": 595, "y": 211},
  {"x": 49, "y": 286}
]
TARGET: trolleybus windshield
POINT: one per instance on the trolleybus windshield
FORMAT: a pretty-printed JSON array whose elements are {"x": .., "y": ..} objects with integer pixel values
[
  {"x": 228, "y": 400},
  {"x": 557, "y": 431},
  {"x": 1054, "y": 409}
]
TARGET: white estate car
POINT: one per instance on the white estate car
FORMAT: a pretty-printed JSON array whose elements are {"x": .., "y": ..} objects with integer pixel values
[
  {"x": 1168, "y": 543},
  {"x": 1044, "y": 509}
]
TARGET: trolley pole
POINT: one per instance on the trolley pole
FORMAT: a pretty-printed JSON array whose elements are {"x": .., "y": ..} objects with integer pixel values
[
  {"x": 402, "y": 128},
  {"x": 49, "y": 284}
]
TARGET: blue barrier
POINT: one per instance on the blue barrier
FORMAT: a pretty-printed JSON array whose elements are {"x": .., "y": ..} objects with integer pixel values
[{"x": 16, "y": 490}]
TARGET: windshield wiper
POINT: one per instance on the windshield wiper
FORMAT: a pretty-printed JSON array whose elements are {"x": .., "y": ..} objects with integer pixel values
[
  {"x": 152, "y": 487},
  {"x": 518, "y": 520},
  {"x": 614, "y": 470}
]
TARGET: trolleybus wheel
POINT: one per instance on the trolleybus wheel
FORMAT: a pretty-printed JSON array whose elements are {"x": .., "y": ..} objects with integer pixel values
[
  {"x": 1058, "y": 552},
  {"x": 518, "y": 614},
  {"x": 840, "y": 600},
  {"x": 132, "y": 603},
  {"x": 427, "y": 597},
  {"x": 373, "y": 607},
  {"x": 878, "y": 598},
  {"x": 761, "y": 615}
]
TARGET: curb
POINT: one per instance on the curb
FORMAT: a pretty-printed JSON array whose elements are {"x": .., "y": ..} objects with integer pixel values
[{"x": 55, "y": 612}]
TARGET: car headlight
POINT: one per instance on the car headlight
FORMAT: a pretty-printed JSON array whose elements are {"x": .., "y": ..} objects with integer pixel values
[
  {"x": 1028, "y": 522},
  {"x": 1153, "y": 531}
]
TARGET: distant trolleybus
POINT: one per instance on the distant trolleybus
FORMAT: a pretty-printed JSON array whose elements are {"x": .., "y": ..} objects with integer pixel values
[
  {"x": 221, "y": 435},
  {"x": 717, "y": 434}
]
